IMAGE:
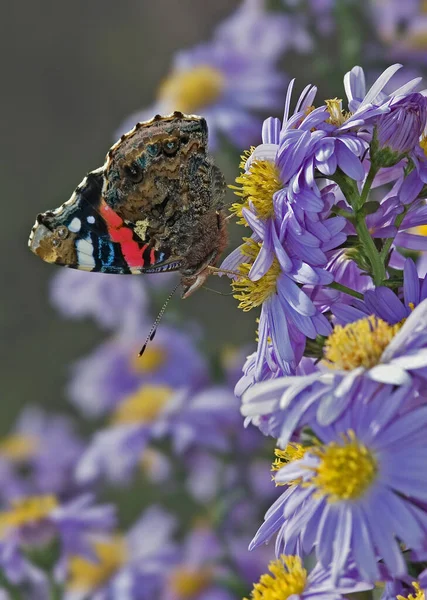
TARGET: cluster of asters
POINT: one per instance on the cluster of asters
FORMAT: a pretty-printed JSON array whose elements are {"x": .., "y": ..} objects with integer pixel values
[{"x": 334, "y": 203}]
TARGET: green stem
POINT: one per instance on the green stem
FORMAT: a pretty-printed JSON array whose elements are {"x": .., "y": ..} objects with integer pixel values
[
  {"x": 356, "y": 201},
  {"x": 378, "y": 269},
  {"x": 56, "y": 589},
  {"x": 367, "y": 185},
  {"x": 346, "y": 290},
  {"x": 12, "y": 590}
]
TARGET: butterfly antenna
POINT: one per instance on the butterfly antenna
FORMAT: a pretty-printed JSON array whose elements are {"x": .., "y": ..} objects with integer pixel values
[{"x": 153, "y": 330}]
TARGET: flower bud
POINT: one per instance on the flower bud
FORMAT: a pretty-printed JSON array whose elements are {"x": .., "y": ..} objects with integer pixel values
[{"x": 398, "y": 131}]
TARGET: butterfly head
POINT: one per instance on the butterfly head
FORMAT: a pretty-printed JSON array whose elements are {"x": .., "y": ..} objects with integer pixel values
[{"x": 51, "y": 240}]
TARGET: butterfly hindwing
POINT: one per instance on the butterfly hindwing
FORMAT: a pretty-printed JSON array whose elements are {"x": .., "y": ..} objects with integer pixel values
[{"x": 85, "y": 233}]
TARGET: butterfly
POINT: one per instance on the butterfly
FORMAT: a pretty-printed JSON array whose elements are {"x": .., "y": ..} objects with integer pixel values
[{"x": 156, "y": 205}]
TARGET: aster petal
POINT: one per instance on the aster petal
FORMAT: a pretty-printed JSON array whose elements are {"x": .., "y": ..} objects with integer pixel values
[
  {"x": 410, "y": 188},
  {"x": 271, "y": 131},
  {"x": 342, "y": 541},
  {"x": 355, "y": 85},
  {"x": 411, "y": 287},
  {"x": 389, "y": 373},
  {"x": 296, "y": 297},
  {"x": 415, "y": 323},
  {"x": 363, "y": 548},
  {"x": 349, "y": 163},
  {"x": 326, "y": 534},
  {"x": 379, "y": 85},
  {"x": 278, "y": 327},
  {"x": 347, "y": 314},
  {"x": 288, "y": 103},
  {"x": 384, "y": 303},
  {"x": 385, "y": 542},
  {"x": 411, "y": 241}
]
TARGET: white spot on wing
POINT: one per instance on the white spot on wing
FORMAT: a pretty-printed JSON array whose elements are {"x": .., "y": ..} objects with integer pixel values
[
  {"x": 85, "y": 254},
  {"x": 90, "y": 219},
  {"x": 75, "y": 225}
]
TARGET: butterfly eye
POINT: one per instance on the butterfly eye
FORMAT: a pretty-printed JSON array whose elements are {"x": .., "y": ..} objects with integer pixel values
[
  {"x": 133, "y": 172},
  {"x": 62, "y": 232},
  {"x": 170, "y": 147},
  {"x": 153, "y": 149},
  {"x": 55, "y": 243}
]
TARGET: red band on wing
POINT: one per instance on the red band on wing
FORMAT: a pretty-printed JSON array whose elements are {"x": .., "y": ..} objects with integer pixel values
[{"x": 123, "y": 235}]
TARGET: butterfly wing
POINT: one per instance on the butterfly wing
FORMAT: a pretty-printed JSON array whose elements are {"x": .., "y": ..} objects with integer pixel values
[{"x": 85, "y": 233}]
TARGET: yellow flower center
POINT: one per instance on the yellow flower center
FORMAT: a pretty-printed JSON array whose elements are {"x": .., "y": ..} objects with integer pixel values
[
  {"x": 143, "y": 406},
  {"x": 419, "y": 594},
  {"x": 423, "y": 143},
  {"x": 189, "y": 91},
  {"x": 346, "y": 470},
  {"x": 27, "y": 511},
  {"x": 288, "y": 577},
  {"x": 420, "y": 230},
  {"x": 88, "y": 575},
  {"x": 338, "y": 115},
  {"x": 359, "y": 344},
  {"x": 187, "y": 583},
  {"x": 18, "y": 447},
  {"x": 254, "y": 293},
  {"x": 292, "y": 452},
  {"x": 256, "y": 186},
  {"x": 153, "y": 358}
]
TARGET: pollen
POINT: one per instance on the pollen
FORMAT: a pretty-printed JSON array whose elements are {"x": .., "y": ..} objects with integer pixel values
[
  {"x": 358, "y": 344},
  {"x": 256, "y": 186},
  {"x": 292, "y": 452},
  {"x": 18, "y": 447},
  {"x": 27, "y": 511},
  {"x": 419, "y": 594},
  {"x": 254, "y": 293},
  {"x": 153, "y": 358},
  {"x": 143, "y": 406},
  {"x": 187, "y": 583},
  {"x": 420, "y": 230},
  {"x": 288, "y": 578},
  {"x": 337, "y": 115},
  {"x": 346, "y": 470},
  {"x": 85, "y": 575},
  {"x": 192, "y": 89}
]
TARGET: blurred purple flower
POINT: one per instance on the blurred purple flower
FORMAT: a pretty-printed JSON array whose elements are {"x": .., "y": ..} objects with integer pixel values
[
  {"x": 230, "y": 76},
  {"x": 114, "y": 302},
  {"x": 46, "y": 448},
  {"x": 361, "y": 507},
  {"x": 155, "y": 412},
  {"x": 127, "y": 567},
  {"x": 196, "y": 575},
  {"x": 114, "y": 371},
  {"x": 38, "y": 523}
]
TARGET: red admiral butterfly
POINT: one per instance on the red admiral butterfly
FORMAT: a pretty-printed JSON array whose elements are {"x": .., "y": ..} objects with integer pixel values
[{"x": 156, "y": 205}]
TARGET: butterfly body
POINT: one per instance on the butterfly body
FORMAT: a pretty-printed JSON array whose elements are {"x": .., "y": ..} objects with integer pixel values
[{"x": 155, "y": 205}]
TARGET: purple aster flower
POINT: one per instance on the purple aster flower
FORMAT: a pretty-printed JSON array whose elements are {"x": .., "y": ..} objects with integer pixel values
[
  {"x": 114, "y": 302},
  {"x": 47, "y": 448},
  {"x": 114, "y": 370},
  {"x": 365, "y": 352},
  {"x": 228, "y": 77},
  {"x": 41, "y": 522},
  {"x": 132, "y": 566},
  {"x": 289, "y": 579},
  {"x": 398, "y": 131},
  {"x": 153, "y": 413},
  {"x": 360, "y": 491}
]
